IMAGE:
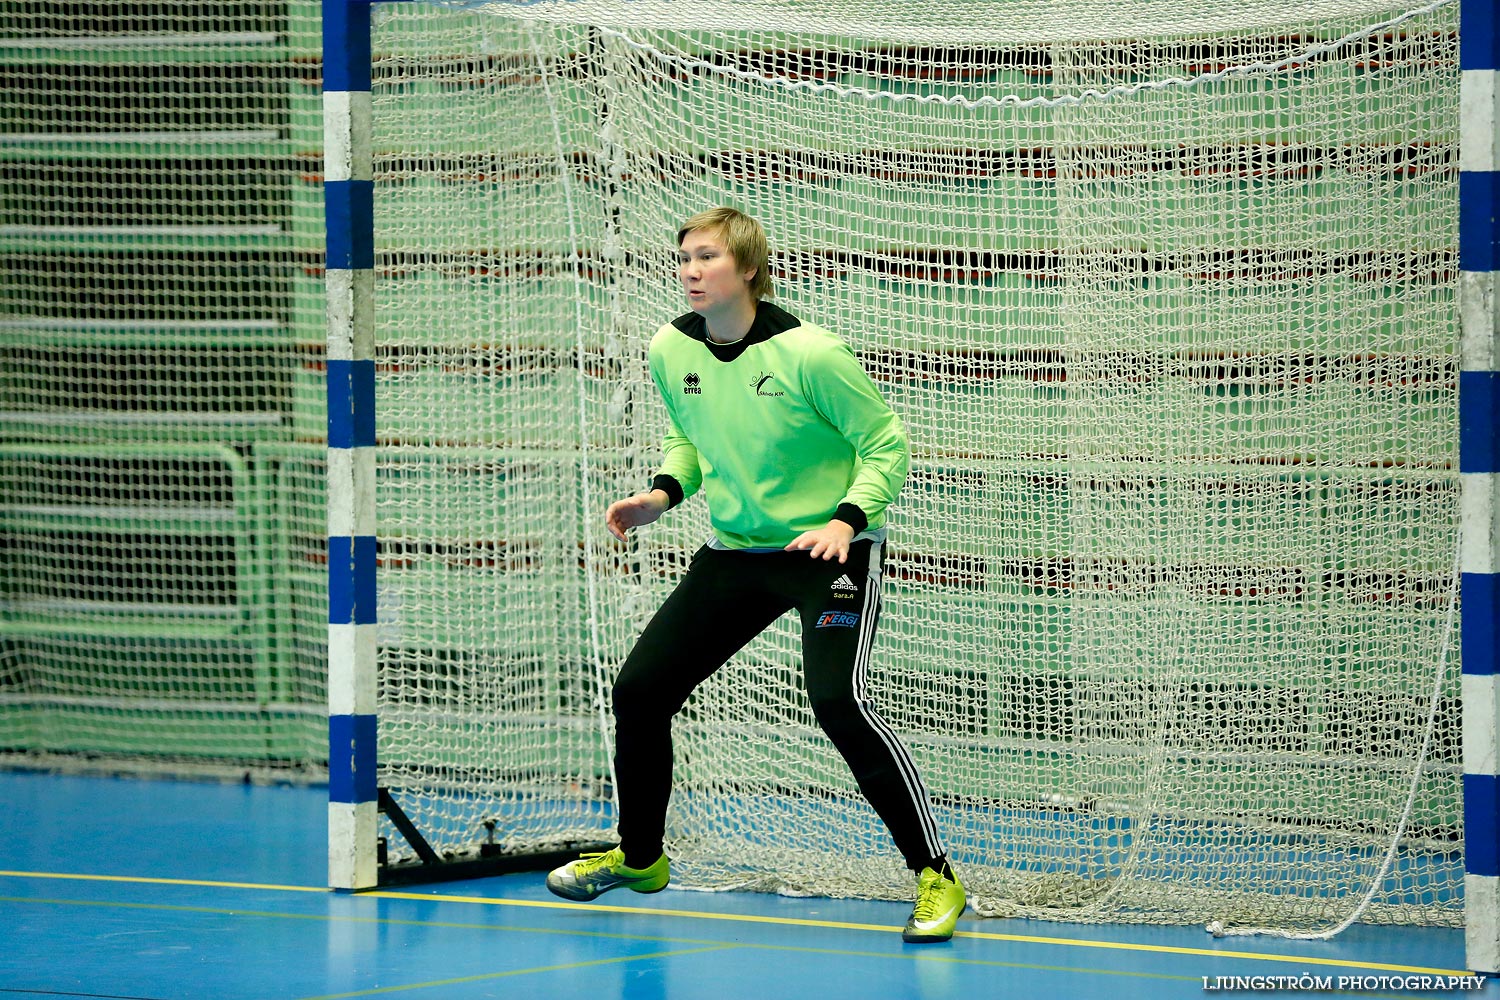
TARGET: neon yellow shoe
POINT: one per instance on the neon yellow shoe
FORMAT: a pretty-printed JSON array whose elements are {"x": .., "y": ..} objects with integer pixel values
[
  {"x": 940, "y": 902},
  {"x": 594, "y": 874}
]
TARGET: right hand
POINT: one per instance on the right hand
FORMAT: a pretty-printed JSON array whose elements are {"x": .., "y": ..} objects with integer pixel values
[{"x": 632, "y": 512}]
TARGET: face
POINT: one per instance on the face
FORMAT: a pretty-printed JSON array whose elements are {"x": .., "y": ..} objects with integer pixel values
[{"x": 713, "y": 281}]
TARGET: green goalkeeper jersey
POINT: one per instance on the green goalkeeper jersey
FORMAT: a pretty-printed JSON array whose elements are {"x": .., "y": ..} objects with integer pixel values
[{"x": 783, "y": 430}]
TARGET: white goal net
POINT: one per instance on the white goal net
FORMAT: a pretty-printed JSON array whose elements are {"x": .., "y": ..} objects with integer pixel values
[{"x": 1167, "y": 303}]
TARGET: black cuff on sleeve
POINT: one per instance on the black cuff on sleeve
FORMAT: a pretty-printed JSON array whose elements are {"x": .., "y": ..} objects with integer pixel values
[
  {"x": 852, "y": 516},
  {"x": 672, "y": 488}
]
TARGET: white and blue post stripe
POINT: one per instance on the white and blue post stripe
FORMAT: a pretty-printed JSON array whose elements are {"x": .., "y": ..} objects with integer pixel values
[
  {"x": 348, "y": 203},
  {"x": 1479, "y": 465}
]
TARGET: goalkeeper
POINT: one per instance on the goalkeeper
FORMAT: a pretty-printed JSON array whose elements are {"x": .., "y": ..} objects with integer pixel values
[{"x": 798, "y": 457}]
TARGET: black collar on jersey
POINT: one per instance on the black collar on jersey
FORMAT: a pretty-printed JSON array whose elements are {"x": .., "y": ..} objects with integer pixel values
[{"x": 770, "y": 319}]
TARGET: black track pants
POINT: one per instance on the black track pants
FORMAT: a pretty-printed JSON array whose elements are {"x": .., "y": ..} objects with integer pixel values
[{"x": 726, "y": 599}]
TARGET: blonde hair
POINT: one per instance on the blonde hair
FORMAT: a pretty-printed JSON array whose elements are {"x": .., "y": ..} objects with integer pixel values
[{"x": 742, "y": 237}]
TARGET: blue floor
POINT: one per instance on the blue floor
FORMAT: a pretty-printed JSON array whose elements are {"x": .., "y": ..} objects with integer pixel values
[{"x": 164, "y": 890}]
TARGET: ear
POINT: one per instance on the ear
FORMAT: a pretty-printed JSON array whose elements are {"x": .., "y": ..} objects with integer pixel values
[{"x": 749, "y": 275}]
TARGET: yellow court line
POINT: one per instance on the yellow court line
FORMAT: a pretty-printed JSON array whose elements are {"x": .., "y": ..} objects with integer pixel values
[
  {"x": 142, "y": 880},
  {"x": 887, "y": 929},
  {"x": 938, "y": 956},
  {"x": 749, "y": 918}
]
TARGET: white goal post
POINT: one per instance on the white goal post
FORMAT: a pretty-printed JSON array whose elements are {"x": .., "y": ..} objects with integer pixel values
[{"x": 1169, "y": 302}]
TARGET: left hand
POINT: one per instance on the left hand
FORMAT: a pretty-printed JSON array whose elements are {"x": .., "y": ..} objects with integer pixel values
[{"x": 826, "y": 542}]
